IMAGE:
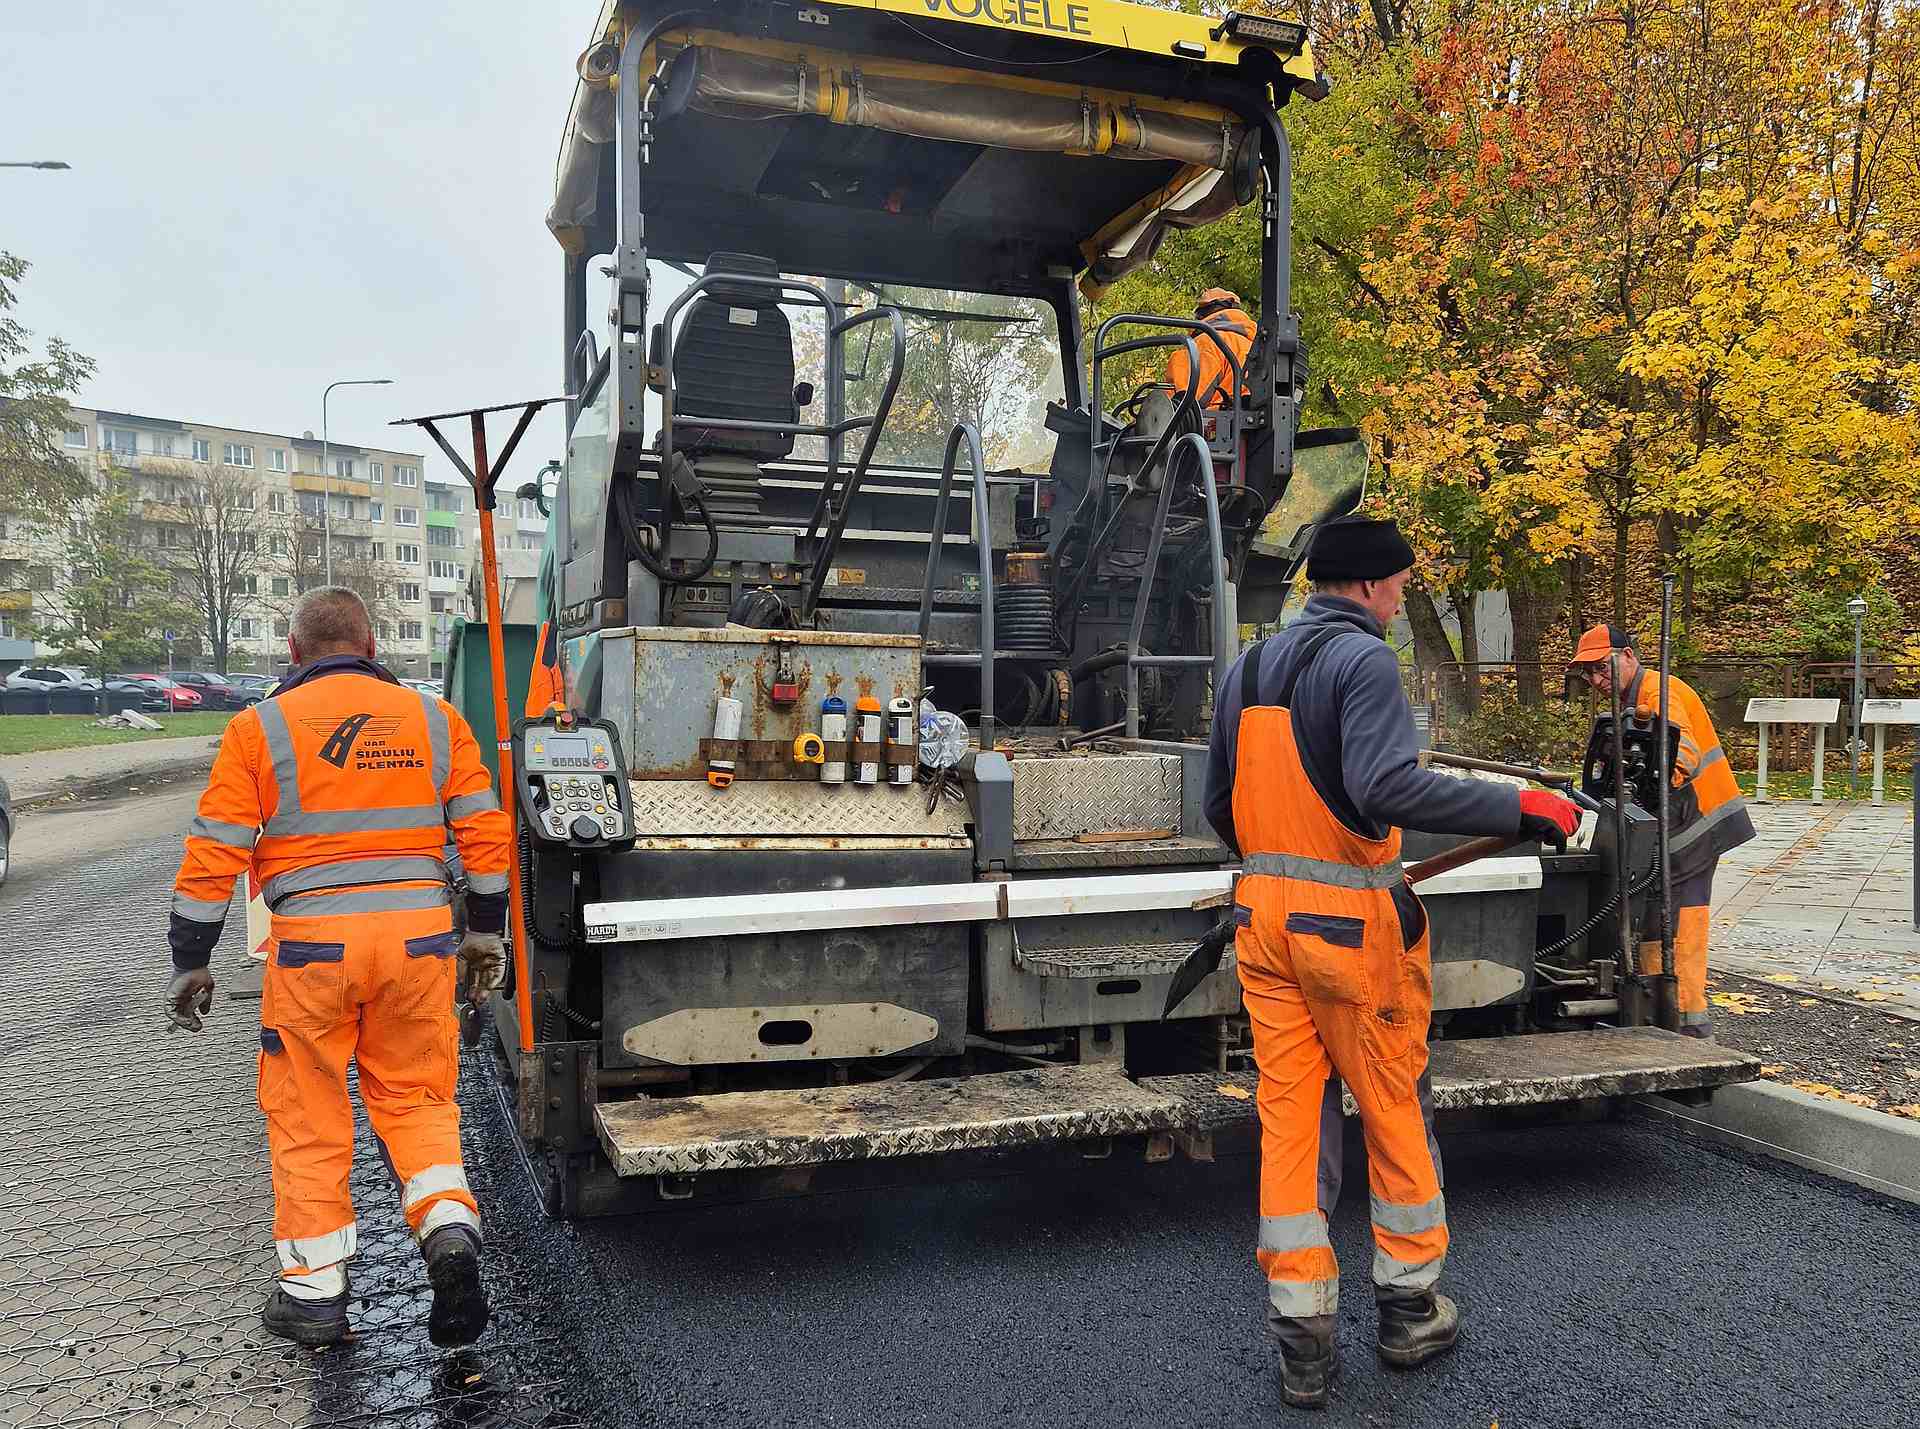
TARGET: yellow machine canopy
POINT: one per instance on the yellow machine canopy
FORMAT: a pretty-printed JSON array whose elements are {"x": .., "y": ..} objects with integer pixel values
[{"x": 961, "y": 167}]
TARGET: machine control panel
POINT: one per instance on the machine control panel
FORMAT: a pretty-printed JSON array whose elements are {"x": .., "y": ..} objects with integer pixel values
[{"x": 573, "y": 783}]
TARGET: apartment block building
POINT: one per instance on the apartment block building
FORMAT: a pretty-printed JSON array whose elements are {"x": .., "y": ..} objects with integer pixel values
[{"x": 404, "y": 537}]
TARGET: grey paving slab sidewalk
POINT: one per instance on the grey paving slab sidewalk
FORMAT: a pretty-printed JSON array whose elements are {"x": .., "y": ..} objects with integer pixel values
[
  {"x": 53, "y": 772},
  {"x": 1823, "y": 898}
]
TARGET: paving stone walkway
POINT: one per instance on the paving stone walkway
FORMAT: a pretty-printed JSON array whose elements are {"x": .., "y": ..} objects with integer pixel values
[{"x": 1823, "y": 897}]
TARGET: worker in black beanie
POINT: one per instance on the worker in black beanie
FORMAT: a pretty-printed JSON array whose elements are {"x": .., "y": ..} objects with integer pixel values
[{"x": 1314, "y": 773}]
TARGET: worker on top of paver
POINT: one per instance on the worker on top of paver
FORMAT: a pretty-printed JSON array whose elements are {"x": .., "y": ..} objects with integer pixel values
[
  {"x": 339, "y": 794},
  {"x": 1708, "y": 816},
  {"x": 1221, "y": 311},
  {"x": 1314, "y": 773}
]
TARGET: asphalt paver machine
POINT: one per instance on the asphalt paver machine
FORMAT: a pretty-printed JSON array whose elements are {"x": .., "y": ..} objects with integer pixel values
[{"x": 889, "y": 591}]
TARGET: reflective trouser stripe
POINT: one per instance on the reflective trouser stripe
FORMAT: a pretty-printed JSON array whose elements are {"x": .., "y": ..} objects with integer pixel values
[
  {"x": 1303, "y": 1299},
  {"x": 1297, "y": 1232},
  {"x": 447, "y": 1212},
  {"x": 322, "y": 1284},
  {"x": 463, "y": 806},
  {"x": 200, "y": 910},
  {"x": 352, "y": 873},
  {"x": 1409, "y": 1220},
  {"x": 232, "y": 835},
  {"x": 1406, "y": 1276},
  {"x": 1322, "y": 870},
  {"x": 1303, "y": 1278},
  {"x": 1692, "y": 834},
  {"x": 487, "y": 882},
  {"x": 434, "y": 1181},
  {"x": 316, "y": 1252},
  {"x": 366, "y": 900}
]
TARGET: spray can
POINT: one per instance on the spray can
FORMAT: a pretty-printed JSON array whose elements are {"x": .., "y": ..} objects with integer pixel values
[
  {"x": 901, "y": 731},
  {"x": 726, "y": 725},
  {"x": 867, "y": 725},
  {"x": 833, "y": 730}
]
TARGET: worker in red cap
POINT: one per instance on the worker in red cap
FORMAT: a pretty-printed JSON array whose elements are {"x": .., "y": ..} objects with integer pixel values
[
  {"x": 1706, "y": 814},
  {"x": 1220, "y": 310},
  {"x": 1314, "y": 772}
]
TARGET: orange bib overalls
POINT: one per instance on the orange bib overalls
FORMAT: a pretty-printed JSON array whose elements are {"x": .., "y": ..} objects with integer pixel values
[{"x": 1332, "y": 984}]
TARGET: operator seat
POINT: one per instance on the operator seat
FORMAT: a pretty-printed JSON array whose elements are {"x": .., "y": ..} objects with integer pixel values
[{"x": 733, "y": 359}]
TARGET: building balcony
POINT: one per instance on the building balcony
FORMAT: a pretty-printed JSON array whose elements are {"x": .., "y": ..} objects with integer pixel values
[{"x": 337, "y": 485}]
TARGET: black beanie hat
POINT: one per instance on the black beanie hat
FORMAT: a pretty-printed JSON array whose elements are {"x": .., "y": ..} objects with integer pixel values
[{"x": 1354, "y": 548}]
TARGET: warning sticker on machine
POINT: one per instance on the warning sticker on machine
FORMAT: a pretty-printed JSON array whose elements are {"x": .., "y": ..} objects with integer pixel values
[
  {"x": 743, "y": 317},
  {"x": 846, "y": 575}
]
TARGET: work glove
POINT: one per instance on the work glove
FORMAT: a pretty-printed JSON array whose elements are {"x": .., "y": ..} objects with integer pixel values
[
  {"x": 189, "y": 998},
  {"x": 483, "y": 966},
  {"x": 1548, "y": 818}
]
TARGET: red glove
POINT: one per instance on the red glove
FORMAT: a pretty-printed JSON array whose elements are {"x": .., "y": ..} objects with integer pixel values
[{"x": 1548, "y": 818}]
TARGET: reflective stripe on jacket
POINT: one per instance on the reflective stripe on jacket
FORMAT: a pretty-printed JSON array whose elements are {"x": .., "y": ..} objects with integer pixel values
[
  {"x": 1709, "y": 816},
  {"x": 1215, "y": 388},
  {"x": 345, "y": 780}
]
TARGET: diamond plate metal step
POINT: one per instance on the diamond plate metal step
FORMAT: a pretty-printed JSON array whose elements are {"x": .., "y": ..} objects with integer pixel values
[
  {"x": 1118, "y": 960},
  {"x": 731, "y": 1131}
]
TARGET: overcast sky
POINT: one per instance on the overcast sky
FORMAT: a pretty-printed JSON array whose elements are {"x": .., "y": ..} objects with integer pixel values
[{"x": 269, "y": 196}]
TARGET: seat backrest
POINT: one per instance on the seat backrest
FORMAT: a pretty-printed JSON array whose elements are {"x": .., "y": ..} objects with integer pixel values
[{"x": 733, "y": 358}]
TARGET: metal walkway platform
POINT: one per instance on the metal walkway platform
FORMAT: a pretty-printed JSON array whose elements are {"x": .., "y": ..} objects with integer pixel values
[{"x": 680, "y": 1136}]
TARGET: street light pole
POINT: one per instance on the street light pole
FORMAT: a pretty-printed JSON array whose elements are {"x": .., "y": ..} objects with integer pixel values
[
  {"x": 1857, "y": 608},
  {"x": 326, "y": 477}
]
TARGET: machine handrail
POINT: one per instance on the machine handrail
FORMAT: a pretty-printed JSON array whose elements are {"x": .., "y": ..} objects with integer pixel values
[
  {"x": 836, "y": 331},
  {"x": 843, "y": 508},
  {"x": 1222, "y": 636},
  {"x": 982, "y": 519},
  {"x": 1102, "y": 351}
]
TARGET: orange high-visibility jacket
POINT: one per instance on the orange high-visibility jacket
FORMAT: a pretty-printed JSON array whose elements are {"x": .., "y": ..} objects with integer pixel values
[
  {"x": 1707, "y": 814},
  {"x": 1216, "y": 375},
  {"x": 345, "y": 779},
  {"x": 544, "y": 689}
]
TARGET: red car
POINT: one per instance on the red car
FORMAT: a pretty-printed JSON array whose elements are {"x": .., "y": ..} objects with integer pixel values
[{"x": 179, "y": 697}]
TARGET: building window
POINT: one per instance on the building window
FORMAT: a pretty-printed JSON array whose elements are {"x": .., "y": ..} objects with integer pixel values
[
  {"x": 160, "y": 444},
  {"x": 442, "y": 570},
  {"x": 407, "y": 555},
  {"x": 277, "y": 545},
  {"x": 443, "y": 498},
  {"x": 40, "y": 578},
  {"x": 379, "y": 550},
  {"x": 276, "y": 458},
  {"x": 202, "y": 449},
  {"x": 280, "y": 585},
  {"x": 343, "y": 507},
  {"x": 376, "y": 472},
  {"x": 412, "y": 630},
  {"x": 280, "y": 627},
  {"x": 406, "y": 476},
  {"x": 406, "y": 515},
  {"x": 311, "y": 503},
  {"x": 529, "y": 511},
  {"x": 343, "y": 466},
  {"x": 77, "y": 437},
  {"x": 529, "y": 542},
  {"x": 277, "y": 502},
  {"x": 119, "y": 441},
  {"x": 235, "y": 454},
  {"x": 244, "y": 502},
  {"x": 443, "y": 536},
  {"x": 410, "y": 592},
  {"x": 376, "y": 511},
  {"x": 245, "y": 628}
]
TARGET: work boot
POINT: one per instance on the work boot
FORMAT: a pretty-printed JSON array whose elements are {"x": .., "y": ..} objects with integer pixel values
[
  {"x": 314, "y": 1323},
  {"x": 1414, "y": 1330},
  {"x": 459, "y": 1299},
  {"x": 1307, "y": 1363}
]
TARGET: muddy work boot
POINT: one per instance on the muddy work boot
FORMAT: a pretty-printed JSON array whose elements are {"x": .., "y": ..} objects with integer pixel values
[
  {"x": 459, "y": 1300},
  {"x": 1307, "y": 1363},
  {"x": 314, "y": 1323},
  {"x": 1414, "y": 1330}
]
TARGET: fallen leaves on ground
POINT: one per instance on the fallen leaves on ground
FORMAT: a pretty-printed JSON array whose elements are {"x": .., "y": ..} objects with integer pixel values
[
  {"x": 1738, "y": 1003},
  {"x": 1911, "y": 1109},
  {"x": 1821, "y": 1089},
  {"x": 1781, "y": 977},
  {"x": 1239, "y": 1094},
  {"x": 1871, "y": 996}
]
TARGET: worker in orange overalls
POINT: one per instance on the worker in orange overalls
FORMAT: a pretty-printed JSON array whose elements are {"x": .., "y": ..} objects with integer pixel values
[
  {"x": 1707, "y": 815},
  {"x": 1221, "y": 311},
  {"x": 1313, "y": 774},
  {"x": 338, "y": 795},
  {"x": 544, "y": 689}
]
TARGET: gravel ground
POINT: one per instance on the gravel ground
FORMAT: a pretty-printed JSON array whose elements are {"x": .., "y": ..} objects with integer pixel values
[{"x": 1830, "y": 1045}]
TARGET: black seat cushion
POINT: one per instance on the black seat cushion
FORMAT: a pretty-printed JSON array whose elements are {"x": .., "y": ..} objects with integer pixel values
[{"x": 733, "y": 358}]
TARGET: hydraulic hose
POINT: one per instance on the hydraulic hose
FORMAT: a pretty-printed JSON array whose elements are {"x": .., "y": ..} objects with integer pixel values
[{"x": 635, "y": 533}]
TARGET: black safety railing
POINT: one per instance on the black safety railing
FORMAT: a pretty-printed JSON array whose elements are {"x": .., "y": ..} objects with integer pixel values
[
  {"x": 838, "y": 510},
  {"x": 1223, "y": 633},
  {"x": 983, "y": 541}
]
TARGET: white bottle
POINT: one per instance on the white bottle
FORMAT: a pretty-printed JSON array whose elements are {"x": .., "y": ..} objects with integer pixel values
[
  {"x": 726, "y": 725},
  {"x": 901, "y": 731},
  {"x": 867, "y": 725},
  {"x": 833, "y": 730}
]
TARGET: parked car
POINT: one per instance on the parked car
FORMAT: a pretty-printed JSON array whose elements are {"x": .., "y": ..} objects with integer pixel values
[
  {"x": 51, "y": 677},
  {"x": 426, "y": 687},
  {"x": 123, "y": 692},
  {"x": 261, "y": 685},
  {"x": 179, "y": 697},
  {"x": 6, "y": 828},
  {"x": 217, "y": 692}
]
